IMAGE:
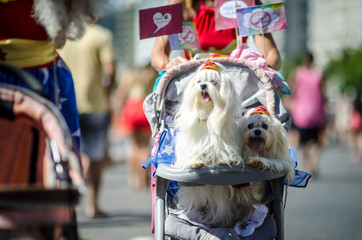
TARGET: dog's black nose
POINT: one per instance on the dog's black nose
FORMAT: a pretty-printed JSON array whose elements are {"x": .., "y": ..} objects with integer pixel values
[
  {"x": 257, "y": 132},
  {"x": 203, "y": 86}
]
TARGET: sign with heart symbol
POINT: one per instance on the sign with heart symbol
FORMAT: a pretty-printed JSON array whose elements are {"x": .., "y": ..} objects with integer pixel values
[{"x": 159, "y": 21}]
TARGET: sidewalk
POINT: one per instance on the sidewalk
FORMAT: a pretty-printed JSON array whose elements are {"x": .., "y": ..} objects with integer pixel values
[
  {"x": 330, "y": 207},
  {"x": 129, "y": 211}
]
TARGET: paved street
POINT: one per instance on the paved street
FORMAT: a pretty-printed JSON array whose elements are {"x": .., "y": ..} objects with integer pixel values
[{"x": 329, "y": 209}]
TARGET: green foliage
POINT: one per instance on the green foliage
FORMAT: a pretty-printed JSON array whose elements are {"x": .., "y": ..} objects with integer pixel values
[
  {"x": 347, "y": 70},
  {"x": 289, "y": 64}
]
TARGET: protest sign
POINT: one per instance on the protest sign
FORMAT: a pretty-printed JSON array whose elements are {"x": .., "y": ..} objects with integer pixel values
[
  {"x": 261, "y": 19},
  {"x": 187, "y": 39},
  {"x": 159, "y": 21},
  {"x": 225, "y": 12}
]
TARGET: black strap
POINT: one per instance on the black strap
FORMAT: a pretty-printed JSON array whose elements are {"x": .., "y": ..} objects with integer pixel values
[{"x": 6, "y": 110}]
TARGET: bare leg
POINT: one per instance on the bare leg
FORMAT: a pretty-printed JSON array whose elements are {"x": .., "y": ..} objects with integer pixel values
[
  {"x": 93, "y": 176},
  {"x": 139, "y": 153}
]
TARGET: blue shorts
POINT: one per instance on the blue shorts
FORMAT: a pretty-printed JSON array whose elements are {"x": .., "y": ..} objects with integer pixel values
[{"x": 94, "y": 128}]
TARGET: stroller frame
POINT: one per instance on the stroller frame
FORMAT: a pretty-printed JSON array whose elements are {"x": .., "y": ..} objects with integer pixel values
[
  {"x": 43, "y": 203},
  {"x": 155, "y": 107}
]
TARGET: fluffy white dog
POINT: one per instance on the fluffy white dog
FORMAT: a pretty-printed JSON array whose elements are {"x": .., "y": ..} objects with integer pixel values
[
  {"x": 265, "y": 142},
  {"x": 208, "y": 136}
]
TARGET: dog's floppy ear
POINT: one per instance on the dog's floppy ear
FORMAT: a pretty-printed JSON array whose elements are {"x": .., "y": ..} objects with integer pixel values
[
  {"x": 225, "y": 108},
  {"x": 185, "y": 106},
  {"x": 228, "y": 94},
  {"x": 280, "y": 136}
]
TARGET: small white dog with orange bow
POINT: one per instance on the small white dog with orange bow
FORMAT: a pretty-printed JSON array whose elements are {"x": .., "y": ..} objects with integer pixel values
[
  {"x": 208, "y": 133},
  {"x": 265, "y": 142}
]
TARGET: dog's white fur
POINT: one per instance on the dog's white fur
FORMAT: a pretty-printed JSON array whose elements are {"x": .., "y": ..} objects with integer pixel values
[
  {"x": 265, "y": 144},
  {"x": 219, "y": 206},
  {"x": 65, "y": 19},
  {"x": 208, "y": 136},
  {"x": 208, "y": 132}
]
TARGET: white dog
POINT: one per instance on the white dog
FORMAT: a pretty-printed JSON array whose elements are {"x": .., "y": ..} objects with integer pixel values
[
  {"x": 208, "y": 136},
  {"x": 265, "y": 142},
  {"x": 208, "y": 133}
]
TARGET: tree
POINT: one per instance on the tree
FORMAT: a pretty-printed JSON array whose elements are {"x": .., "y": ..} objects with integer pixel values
[{"x": 347, "y": 70}]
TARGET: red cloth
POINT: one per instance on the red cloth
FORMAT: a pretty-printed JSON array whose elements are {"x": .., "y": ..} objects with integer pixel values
[
  {"x": 17, "y": 21},
  {"x": 208, "y": 36},
  {"x": 133, "y": 117}
]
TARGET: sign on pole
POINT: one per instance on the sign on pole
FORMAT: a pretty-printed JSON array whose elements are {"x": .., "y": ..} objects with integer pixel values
[
  {"x": 261, "y": 19},
  {"x": 225, "y": 12},
  {"x": 187, "y": 39},
  {"x": 160, "y": 21}
]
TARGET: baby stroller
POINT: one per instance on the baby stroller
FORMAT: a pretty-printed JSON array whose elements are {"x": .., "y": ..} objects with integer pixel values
[
  {"x": 40, "y": 174},
  {"x": 254, "y": 87}
]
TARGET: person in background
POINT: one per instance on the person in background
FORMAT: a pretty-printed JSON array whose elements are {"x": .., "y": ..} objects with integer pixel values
[
  {"x": 356, "y": 128},
  {"x": 131, "y": 121},
  {"x": 308, "y": 111},
  {"x": 92, "y": 63},
  {"x": 202, "y": 13}
]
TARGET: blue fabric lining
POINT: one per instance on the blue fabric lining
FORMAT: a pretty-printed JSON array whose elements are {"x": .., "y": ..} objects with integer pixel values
[{"x": 301, "y": 178}]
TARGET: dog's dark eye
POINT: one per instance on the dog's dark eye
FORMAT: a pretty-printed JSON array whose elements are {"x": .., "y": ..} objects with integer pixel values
[
  {"x": 214, "y": 82},
  {"x": 198, "y": 81},
  {"x": 250, "y": 126},
  {"x": 264, "y": 126}
]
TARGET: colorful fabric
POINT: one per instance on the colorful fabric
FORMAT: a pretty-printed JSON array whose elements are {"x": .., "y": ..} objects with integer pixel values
[
  {"x": 163, "y": 151},
  {"x": 301, "y": 178},
  {"x": 64, "y": 88},
  {"x": 25, "y": 44},
  {"x": 24, "y": 53},
  {"x": 244, "y": 52}
]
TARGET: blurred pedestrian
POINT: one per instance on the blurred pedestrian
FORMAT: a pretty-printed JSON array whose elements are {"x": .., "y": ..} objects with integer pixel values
[
  {"x": 92, "y": 63},
  {"x": 307, "y": 110},
  {"x": 131, "y": 121},
  {"x": 356, "y": 128}
]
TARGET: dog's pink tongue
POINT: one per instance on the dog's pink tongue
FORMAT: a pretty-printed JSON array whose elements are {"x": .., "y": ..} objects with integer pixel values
[
  {"x": 205, "y": 98},
  {"x": 256, "y": 144}
]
